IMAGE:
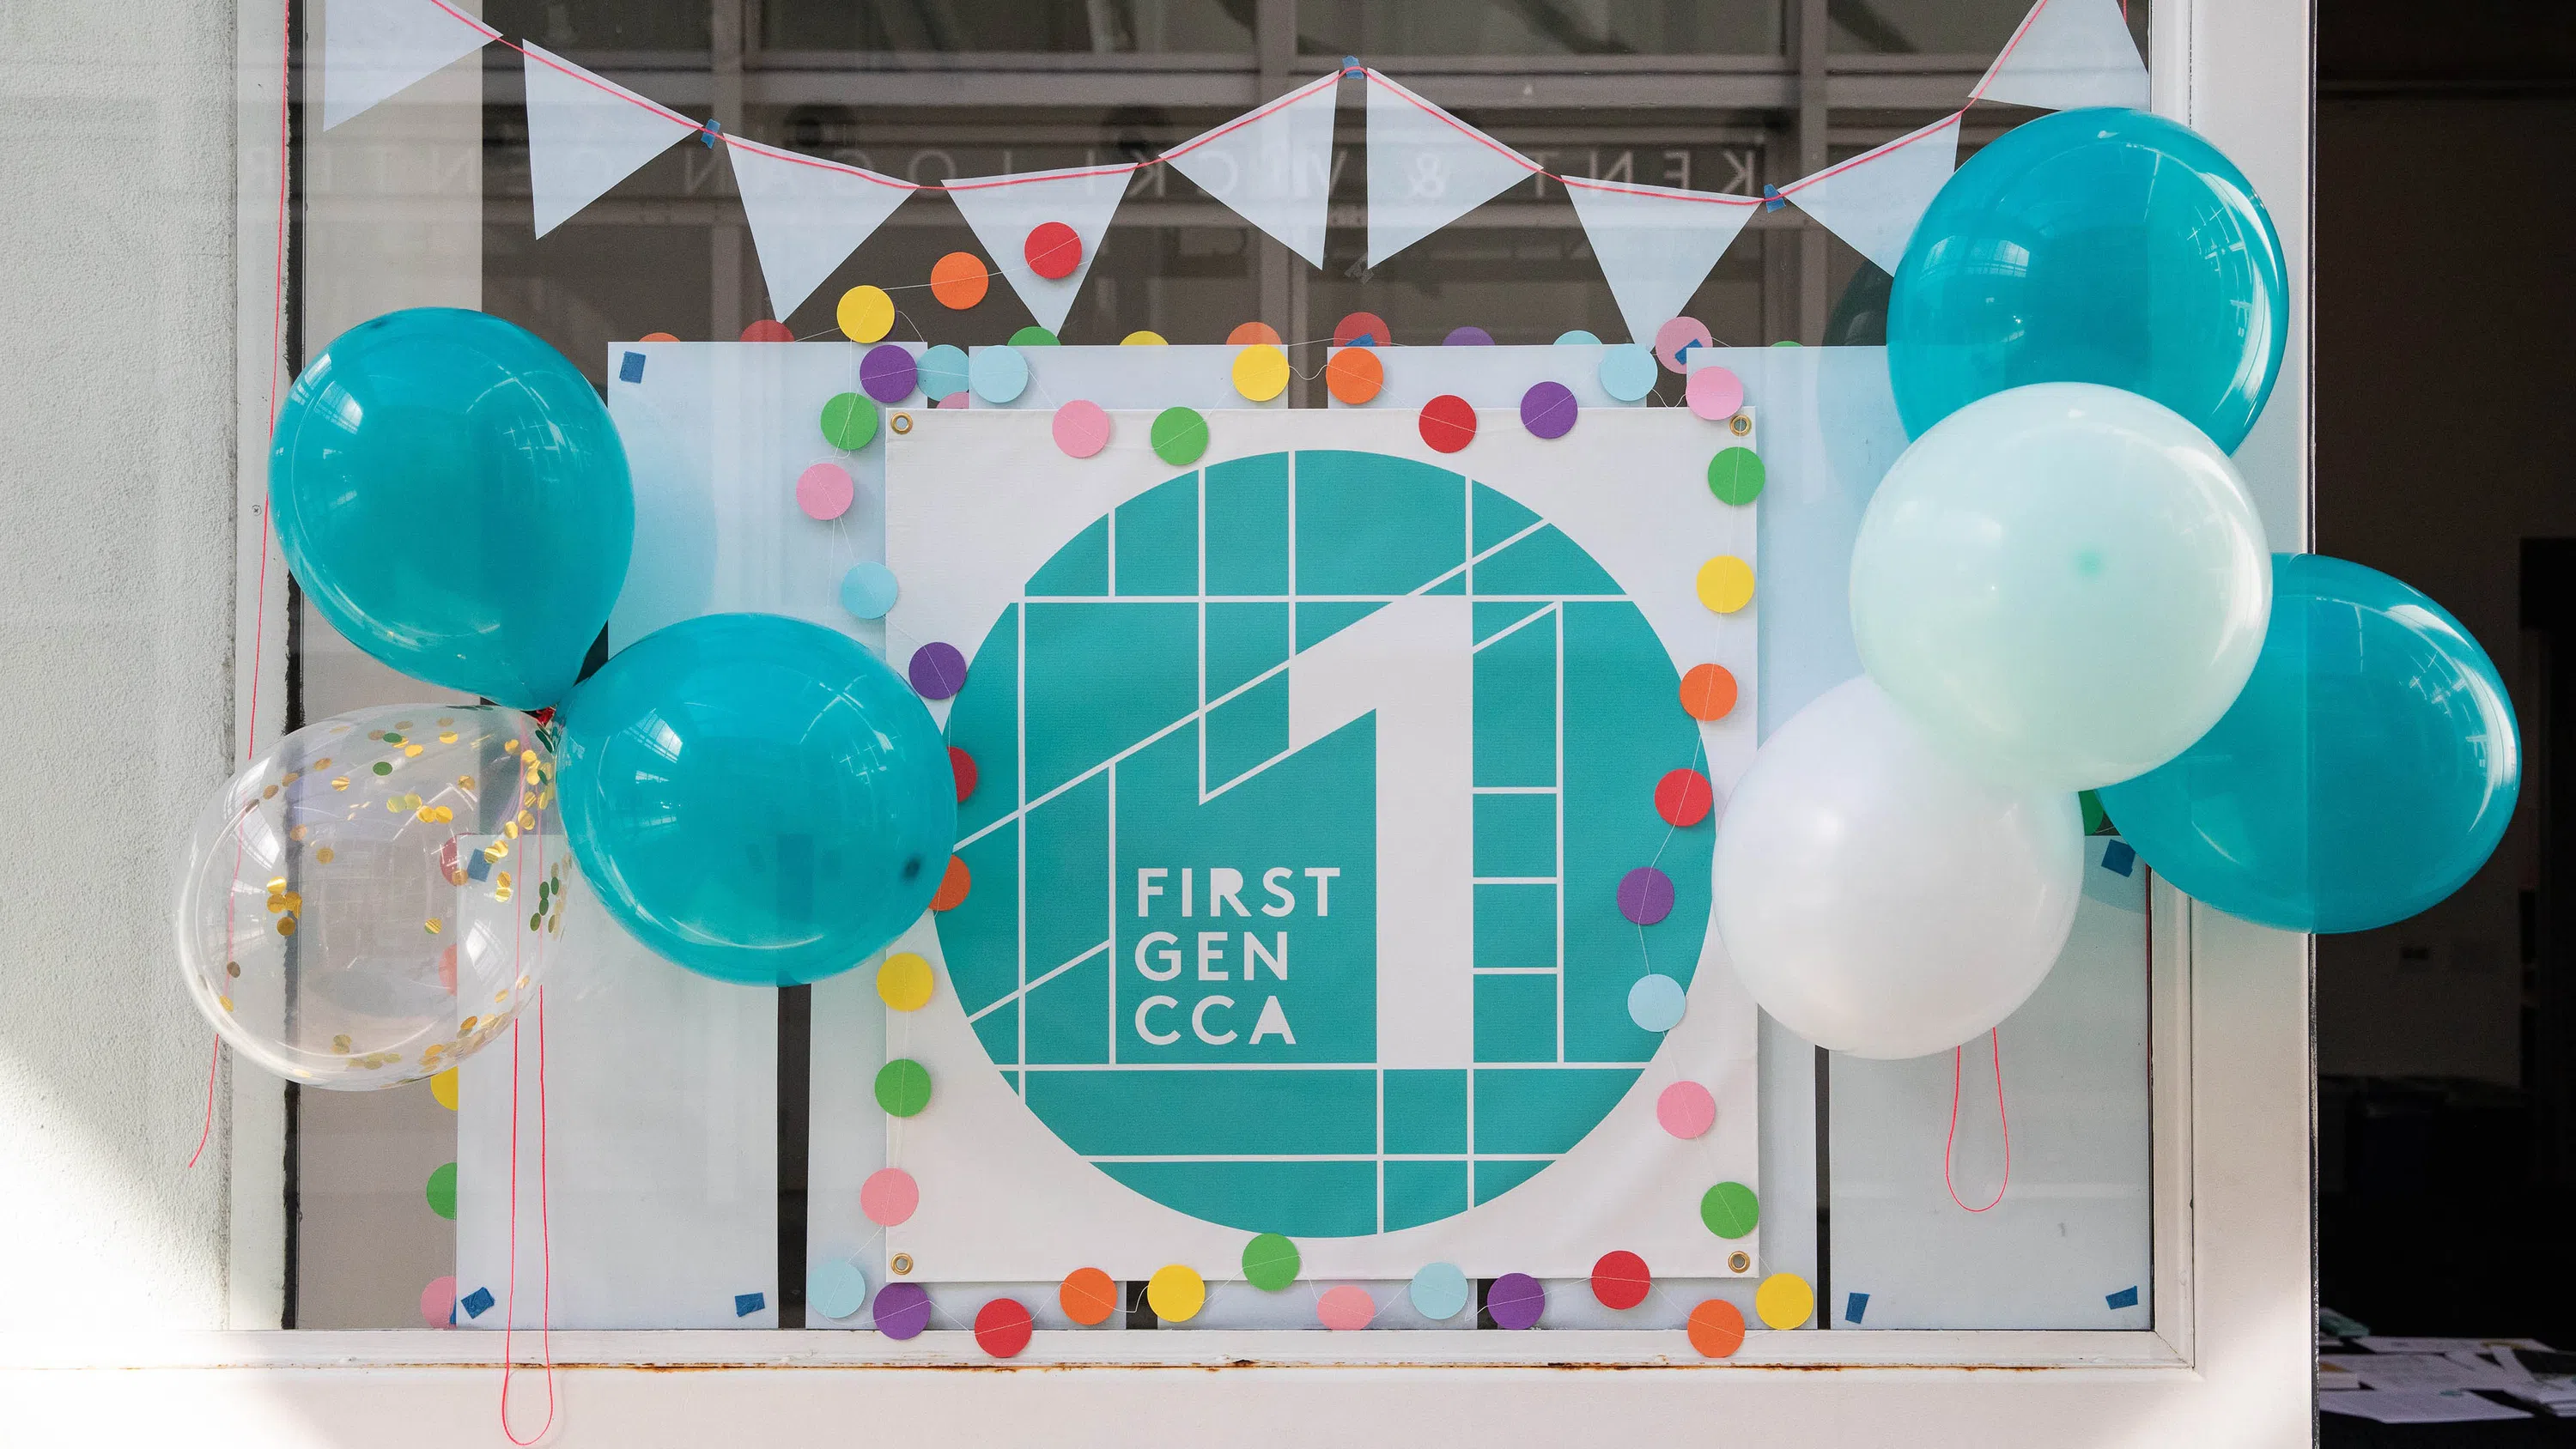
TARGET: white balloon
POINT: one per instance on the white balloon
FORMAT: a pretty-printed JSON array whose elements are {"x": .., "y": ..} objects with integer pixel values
[{"x": 1878, "y": 898}]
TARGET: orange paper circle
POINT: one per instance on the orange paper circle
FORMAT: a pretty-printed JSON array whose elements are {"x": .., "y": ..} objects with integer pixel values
[
  {"x": 1354, "y": 375},
  {"x": 953, "y": 885},
  {"x": 1716, "y": 1328},
  {"x": 1247, "y": 333},
  {"x": 1088, "y": 1296},
  {"x": 958, "y": 280},
  {"x": 1708, "y": 691},
  {"x": 657, "y": 337}
]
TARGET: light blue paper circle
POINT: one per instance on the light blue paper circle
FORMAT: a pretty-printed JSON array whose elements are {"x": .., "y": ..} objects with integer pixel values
[
  {"x": 1627, "y": 371},
  {"x": 1655, "y": 1003},
  {"x": 836, "y": 1290},
  {"x": 943, "y": 372},
  {"x": 1439, "y": 1291},
  {"x": 1578, "y": 338},
  {"x": 1000, "y": 374},
  {"x": 869, "y": 590}
]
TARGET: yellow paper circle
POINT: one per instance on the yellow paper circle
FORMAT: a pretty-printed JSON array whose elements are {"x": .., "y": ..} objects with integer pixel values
[
  {"x": 866, "y": 314},
  {"x": 1726, "y": 583},
  {"x": 904, "y": 981},
  {"x": 443, "y": 1087},
  {"x": 1261, "y": 372},
  {"x": 1784, "y": 1300},
  {"x": 1176, "y": 1294},
  {"x": 1142, "y": 339}
]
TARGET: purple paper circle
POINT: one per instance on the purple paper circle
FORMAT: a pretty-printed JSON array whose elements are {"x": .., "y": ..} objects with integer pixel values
[
  {"x": 1645, "y": 894},
  {"x": 1468, "y": 337},
  {"x": 1548, "y": 410},
  {"x": 887, "y": 372},
  {"x": 903, "y": 1310},
  {"x": 939, "y": 671},
  {"x": 1516, "y": 1300}
]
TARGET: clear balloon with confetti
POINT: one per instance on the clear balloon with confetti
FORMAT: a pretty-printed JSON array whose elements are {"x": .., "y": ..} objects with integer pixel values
[{"x": 377, "y": 895}]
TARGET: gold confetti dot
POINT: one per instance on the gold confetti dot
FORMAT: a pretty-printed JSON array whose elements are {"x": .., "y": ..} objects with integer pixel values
[
  {"x": 340, "y": 1043},
  {"x": 496, "y": 850},
  {"x": 504, "y": 878},
  {"x": 375, "y": 734},
  {"x": 430, "y": 926},
  {"x": 323, "y": 855},
  {"x": 276, "y": 904},
  {"x": 468, "y": 1025},
  {"x": 527, "y": 820},
  {"x": 341, "y": 783},
  {"x": 299, "y": 832},
  {"x": 446, "y": 814},
  {"x": 501, "y": 893},
  {"x": 502, "y": 995},
  {"x": 290, "y": 777},
  {"x": 510, "y": 828},
  {"x": 465, "y": 782},
  {"x": 527, "y": 757},
  {"x": 509, "y": 747},
  {"x": 447, "y": 737},
  {"x": 225, "y": 1002},
  {"x": 547, "y": 798},
  {"x": 410, "y": 751},
  {"x": 324, "y": 763},
  {"x": 268, "y": 794},
  {"x": 395, "y": 805},
  {"x": 286, "y": 926},
  {"x": 277, "y": 883},
  {"x": 425, "y": 813}
]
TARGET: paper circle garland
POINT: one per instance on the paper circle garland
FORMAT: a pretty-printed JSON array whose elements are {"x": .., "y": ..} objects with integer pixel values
[
  {"x": 937, "y": 670},
  {"x": 903, "y": 1086},
  {"x": 1686, "y": 1110},
  {"x": 1656, "y": 1002},
  {"x": 1176, "y": 1293},
  {"x": 767, "y": 330},
  {"x": 1577, "y": 338},
  {"x": 1081, "y": 428},
  {"x": 1345, "y": 1309},
  {"x": 944, "y": 372},
  {"x": 1447, "y": 423},
  {"x": 1548, "y": 410},
  {"x": 1620, "y": 1280},
  {"x": 1354, "y": 375},
  {"x": 889, "y": 1197},
  {"x": 1714, "y": 393},
  {"x": 1261, "y": 372},
  {"x": 1784, "y": 1300},
  {"x": 836, "y": 1289},
  {"x": 998, "y": 374},
  {"x": 1708, "y": 692},
  {"x": 866, "y": 314},
  {"x": 1035, "y": 336},
  {"x": 1087, "y": 1296},
  {"x": 1002, "y": 1327},
  {"x": 1627, "y": 372},
  {"x": 1735, "y": 475},
  {"x": 1645, "y": 895},
  {"x": 888, "y": 372},
  {"x": 869, "y": 590},
  {"x": 849, "y": 420},
  {"x": 958, "y": 280},
  {"x": 1179, "y": 436},
  {"x": 1142, "y": 338},
  {"x": 1053, "y": 250},
  {"x": 1730, "y": 1210},
  {"x": 1270, "y": 1262},
  {"x": 1725, "y": 584},
  {"x": 903, "y": 1310},
  {"x": 1716, "y": 1328},
  {"x": 1363, "y": 329},
  {"x": 438, "y": 1302},
  {"x": 1516, "y": 1301},
  {"x": 1684, "y": 797},
  {"x": 954, "y": 884},
  {"x": 1247, "y": 334},
  {"x": 824, "y": 491},
  {"x": 1438, "y": 1291},
  {"x": 1676, "y": 339},
  {"x": 905, "y": 981},
  {"x": 962, "y": 765},
  {"x": 1468, "y": 337}
]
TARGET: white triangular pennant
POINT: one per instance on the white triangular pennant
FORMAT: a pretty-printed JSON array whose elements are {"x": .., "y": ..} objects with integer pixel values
[
  {"x": 1427, "y": 168},
  {"x": 373, "y": 48},
  {"x": 586, "y": 134},
  {"x": 1273, "y": 166},
  {"x": 1003, "y": 210},
  {"x": 1655, "y": 244},
  {"x": 2068, "y": 53},
  {"x": 807, "y": 215},
  {"x": 1873, "y": 200}
]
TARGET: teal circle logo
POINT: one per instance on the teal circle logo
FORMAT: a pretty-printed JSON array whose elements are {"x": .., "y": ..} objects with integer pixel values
[{"x": 1307, "y": 784}]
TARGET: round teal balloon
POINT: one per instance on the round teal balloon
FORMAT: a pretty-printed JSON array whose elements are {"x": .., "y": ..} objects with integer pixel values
[
  {"x": 2366, "y": 772},
  {"x": 2097, "y": 245},
  {"x": 2061, "y": 585},
  {"x": 451, "y": 495},
  {"x": 756, "y": 798}
]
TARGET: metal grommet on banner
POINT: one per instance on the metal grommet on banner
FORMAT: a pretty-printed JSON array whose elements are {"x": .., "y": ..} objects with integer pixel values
[
  {"x": 902, "y": 422},
  {"x": 1735, "y": 1262},
  {"x": 902, "y": 1262},
  {"x": 1739, "y": 425}
]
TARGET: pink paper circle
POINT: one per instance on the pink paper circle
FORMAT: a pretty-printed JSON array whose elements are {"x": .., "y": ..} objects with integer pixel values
[
  {"x": 438, "y": 1302},
  {"x": 1081, "y": 428},
  {"x": 1675, "y": 335},
  {"x": 1715, "y": 394},
  {"x": 1686, "y": 1109},
  {"x": 889, "y": 1196},
  {"x": 1345, "y": 1308},
  {"x": 824, "y": 491},
  {"x": 956, "y": 400}
]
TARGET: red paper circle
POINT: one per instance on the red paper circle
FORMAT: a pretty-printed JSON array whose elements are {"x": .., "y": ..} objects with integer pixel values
[
  {"x": 962, "y": 765},
  {"x": 767, "y": 331},
  {"x": 1053, "y": 250},
  {"x": 1620, "y": 1280},
  {"x": 1002, "y": 1328},
  {"x": 1684, "y": 797},
  {"x": 1364, "y": 328},
  {"x": 1447, "y": 423}
]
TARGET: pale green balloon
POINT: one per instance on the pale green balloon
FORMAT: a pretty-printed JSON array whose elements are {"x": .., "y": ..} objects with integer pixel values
[{"x": 2062, "y": 585}]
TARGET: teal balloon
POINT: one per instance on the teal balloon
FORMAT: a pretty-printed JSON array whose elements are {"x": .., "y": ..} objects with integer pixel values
[
  {"x": 2097, "y": 245},
  {"x": 2366, "y": 772},
  {"x": 756, "y": 798},
  {"x": 2062, "y": 585},
  {"x": 452, "y": 496}
]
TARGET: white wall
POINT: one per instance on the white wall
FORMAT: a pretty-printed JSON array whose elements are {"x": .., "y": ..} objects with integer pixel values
[{"x": 116, "y": 568}]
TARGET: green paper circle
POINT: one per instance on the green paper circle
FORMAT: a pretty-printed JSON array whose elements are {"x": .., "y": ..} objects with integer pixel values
[
  {"x": 2095, "y": 817},
  {"x": 1730, "y": 1209},
  {"x": 1033, "y": 336},
  {"x": 1270, "y": 1262},
  {"x": 1179, "y": 436},
  {"x": 903, "y": 1087},
  {"x": 849, "y": 421},
  {"x": 442, "y": 1190},
  {"x": 1735, "y": 475}
]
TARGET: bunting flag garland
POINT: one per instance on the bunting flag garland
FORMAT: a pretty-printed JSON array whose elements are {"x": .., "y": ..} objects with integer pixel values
[
  {"x": 2068, "y": 53},
  {"x": 1655, "y": 244},
  {"x": 807, "y": 214},
  {"x": 586, "y": 134},
  {"x": 1427, "y": 168},
  {"x": 1274, "y": 166},
  {"x": 373, "y": 48},
  {"x": 1874, "y": 199},
  {"x": 1004, "y": 210}
]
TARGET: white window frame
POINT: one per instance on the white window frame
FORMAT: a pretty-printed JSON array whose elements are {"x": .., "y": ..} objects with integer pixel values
[{"x": 2229, "y": 1359}]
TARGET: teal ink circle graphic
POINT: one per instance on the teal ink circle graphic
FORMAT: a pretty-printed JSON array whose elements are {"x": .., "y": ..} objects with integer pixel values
[{"x": 1308, "y": 782}]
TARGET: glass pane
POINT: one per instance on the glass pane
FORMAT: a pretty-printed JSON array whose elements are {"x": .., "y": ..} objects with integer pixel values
[
  {"x": 566, "y": 25},
  {"x": 1100, "y": 26},
  {"x": 1369, "y": 28},
  {"x": 1938, "y": 27}
]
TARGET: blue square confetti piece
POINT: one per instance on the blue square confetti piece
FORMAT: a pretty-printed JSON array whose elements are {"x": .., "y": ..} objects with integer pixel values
[
  {"x": 1772, "y": 200},
  {"x": 2125, "y": 1298},
  {"x": 2119, "y": 858},
  {"x": 478, "y": 866},
  {"x": 630, "y": 368},
  {"x": 476, "y": 1303},
  {"x": 747, "y": 1304},
  {"x": 1857, "y": 1305}
]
